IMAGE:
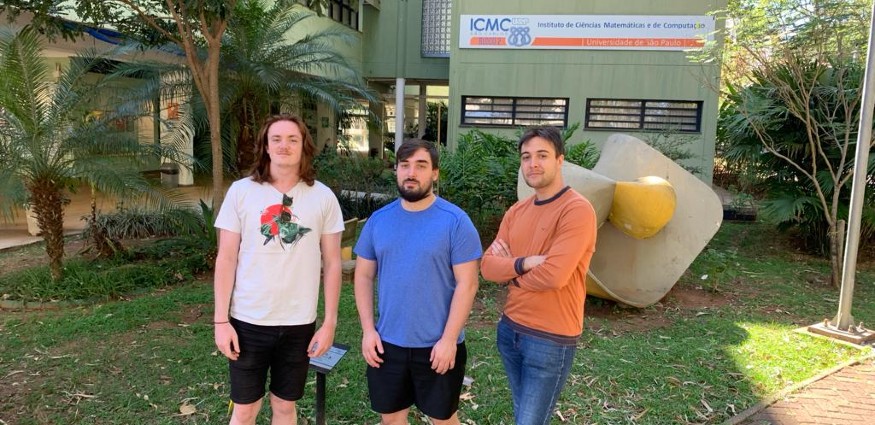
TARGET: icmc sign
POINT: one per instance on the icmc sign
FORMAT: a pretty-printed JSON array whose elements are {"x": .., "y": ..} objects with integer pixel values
[{"x": 494, "y": 24}]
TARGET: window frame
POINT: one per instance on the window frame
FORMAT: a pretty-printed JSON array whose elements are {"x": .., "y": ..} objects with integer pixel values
[
  {"x": 514, "y": 112},
  {"x": 643, "y": 125},
  {"x": 347, "y": 8}
]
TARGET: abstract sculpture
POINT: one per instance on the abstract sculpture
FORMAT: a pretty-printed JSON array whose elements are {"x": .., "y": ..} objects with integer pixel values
[{"x": 654, "y": 219}]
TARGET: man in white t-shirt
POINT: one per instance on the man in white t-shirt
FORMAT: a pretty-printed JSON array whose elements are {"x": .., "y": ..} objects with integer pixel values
[{"x": 277, "y": 227}]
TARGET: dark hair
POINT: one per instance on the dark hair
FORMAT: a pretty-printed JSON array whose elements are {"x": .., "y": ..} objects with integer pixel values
[
  {"x": 410, "y": 146},
  {"x": 261, "y": 169},
  {"x": 551, "y": 134}
]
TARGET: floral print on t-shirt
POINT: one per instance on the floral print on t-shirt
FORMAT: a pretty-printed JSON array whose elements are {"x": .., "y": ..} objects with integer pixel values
[{"x": 279, "y": 223}]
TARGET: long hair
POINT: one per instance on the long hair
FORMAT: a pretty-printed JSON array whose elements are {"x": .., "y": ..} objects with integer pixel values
[{"x": 261, "y": 169}]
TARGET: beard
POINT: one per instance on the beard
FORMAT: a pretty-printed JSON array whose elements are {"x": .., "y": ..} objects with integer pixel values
[{"x": 415, "y": 194}]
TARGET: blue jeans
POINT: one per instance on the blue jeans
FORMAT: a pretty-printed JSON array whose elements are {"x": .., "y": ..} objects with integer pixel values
[{"x": 536, "y": 369}]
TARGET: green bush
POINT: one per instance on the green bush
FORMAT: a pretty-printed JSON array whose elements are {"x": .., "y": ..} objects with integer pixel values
[
  {"x": 353, "y": 179},
  {"x": 584, "y": 154},
  {"x": 139, "y": 223},
  {"x": 480, "y": 177},
  {"x": 355, "y": 206},
  {"x": 104, "y": 232},
  {"x": 674, "y": 146},
  {"x": 813, "y": 145}
]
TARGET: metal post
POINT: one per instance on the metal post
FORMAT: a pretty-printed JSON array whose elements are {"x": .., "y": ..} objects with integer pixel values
[
  {"x": 322, "y": 365},
  {"x": 843, "y": 319},
  {"x": 320, "y": 398},
  {"x": 842, "y": 326}
]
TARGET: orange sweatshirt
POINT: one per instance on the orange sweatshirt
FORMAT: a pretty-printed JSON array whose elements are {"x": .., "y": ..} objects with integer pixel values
[{"x": 549, "y": 297}]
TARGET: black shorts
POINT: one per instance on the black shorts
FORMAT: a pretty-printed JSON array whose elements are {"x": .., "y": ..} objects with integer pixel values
[
  {"x": 280, "y": 349},
  {"x": 405, "y": 378}
]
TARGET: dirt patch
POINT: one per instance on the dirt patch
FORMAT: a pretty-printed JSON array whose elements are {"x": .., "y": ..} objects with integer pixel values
[
  {"x": 694, "y": 298},
  {"x": 192, "y": 314},
  {"x": 17, "y": 383},
  {"x": 159, "y": 325},
  {"x": 19, "y": 258},
  {"x": 23, "y": 257},
  {"x": 196, "y": 313},
  {"x": 615, "y": 318},
  {"x": 604, "y": 316}
]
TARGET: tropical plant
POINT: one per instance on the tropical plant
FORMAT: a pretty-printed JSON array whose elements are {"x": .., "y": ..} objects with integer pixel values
[
  {"x": 269, "y": 64},
  {"x": 793, "y": 72},
  {"x": 584, "y": 153},
  {"x": 480, "y": 177},
  {"x": 673, "y": 145},
  {"x": 195, "y": 27},
  {"x": 436, "y": 122},
  {"x": 50, "y": 141},
  {"x": 361, "y": 184},
  {"x": 796, "y": 127}
]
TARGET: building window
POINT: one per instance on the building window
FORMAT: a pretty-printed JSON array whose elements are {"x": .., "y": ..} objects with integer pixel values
[
  {"x": 514, "y": 111},
  {"x": 436, "y": 30},
  {"x": 345, "y": 12},
  {"x": 646, "y": 115}
]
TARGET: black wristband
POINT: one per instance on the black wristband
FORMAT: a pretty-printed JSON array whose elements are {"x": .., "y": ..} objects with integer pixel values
[{"x": 518, "y": 266}]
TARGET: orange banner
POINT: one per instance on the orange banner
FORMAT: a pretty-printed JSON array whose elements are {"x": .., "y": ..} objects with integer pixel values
[{"x": 488, "y": 41}]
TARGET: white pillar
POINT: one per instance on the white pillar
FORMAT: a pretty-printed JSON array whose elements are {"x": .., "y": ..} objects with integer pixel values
[{"x": 399, "y": 112}]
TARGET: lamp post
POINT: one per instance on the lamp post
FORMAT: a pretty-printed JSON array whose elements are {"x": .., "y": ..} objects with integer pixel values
[{"x": 842, "y": 325}]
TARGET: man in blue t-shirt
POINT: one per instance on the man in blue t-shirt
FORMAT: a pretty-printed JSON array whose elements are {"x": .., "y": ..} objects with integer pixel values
[{"x": 424, "y": 251}]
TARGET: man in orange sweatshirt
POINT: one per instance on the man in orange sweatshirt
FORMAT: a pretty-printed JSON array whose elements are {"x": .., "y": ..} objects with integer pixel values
[{"x": 541, "y": 253}]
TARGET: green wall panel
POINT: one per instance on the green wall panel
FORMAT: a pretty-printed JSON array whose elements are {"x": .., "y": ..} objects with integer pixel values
[{"x": 381, "y": 40}]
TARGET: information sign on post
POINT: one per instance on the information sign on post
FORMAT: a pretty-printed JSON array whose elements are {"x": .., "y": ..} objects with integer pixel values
[{"x": 323, "y": 366}]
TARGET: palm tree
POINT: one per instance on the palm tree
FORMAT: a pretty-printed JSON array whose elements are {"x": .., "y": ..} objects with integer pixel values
[
  {"x": 263, "y": 69},
  {"x": 50, "y": 141}
]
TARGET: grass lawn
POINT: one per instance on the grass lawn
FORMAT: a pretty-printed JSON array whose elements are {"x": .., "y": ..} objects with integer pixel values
[{"x": 719, "y": 342}]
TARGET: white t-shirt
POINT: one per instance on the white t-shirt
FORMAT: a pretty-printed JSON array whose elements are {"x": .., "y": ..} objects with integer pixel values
[{"x": 279, "y": 263}]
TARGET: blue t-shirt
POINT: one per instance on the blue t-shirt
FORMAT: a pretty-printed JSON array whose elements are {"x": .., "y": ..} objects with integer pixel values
[{"x": 415, "y": 254}]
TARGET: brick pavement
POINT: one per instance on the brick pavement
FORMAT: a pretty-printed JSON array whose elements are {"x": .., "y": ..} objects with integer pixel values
[{"x": 846, "y": 397}]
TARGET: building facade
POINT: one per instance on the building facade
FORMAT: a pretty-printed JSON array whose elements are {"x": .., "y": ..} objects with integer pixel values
[
  {"x": 608, "y": 66},
  {"x": 499, "y": 65}
]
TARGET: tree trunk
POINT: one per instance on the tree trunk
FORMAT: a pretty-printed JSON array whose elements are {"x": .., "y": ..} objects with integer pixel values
[
  {"x": 215, "y": 113},
  {"x": 246, "y": 116},
  {"x": 47, "y": 202},
  {"x": 836, "y": 251}
]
